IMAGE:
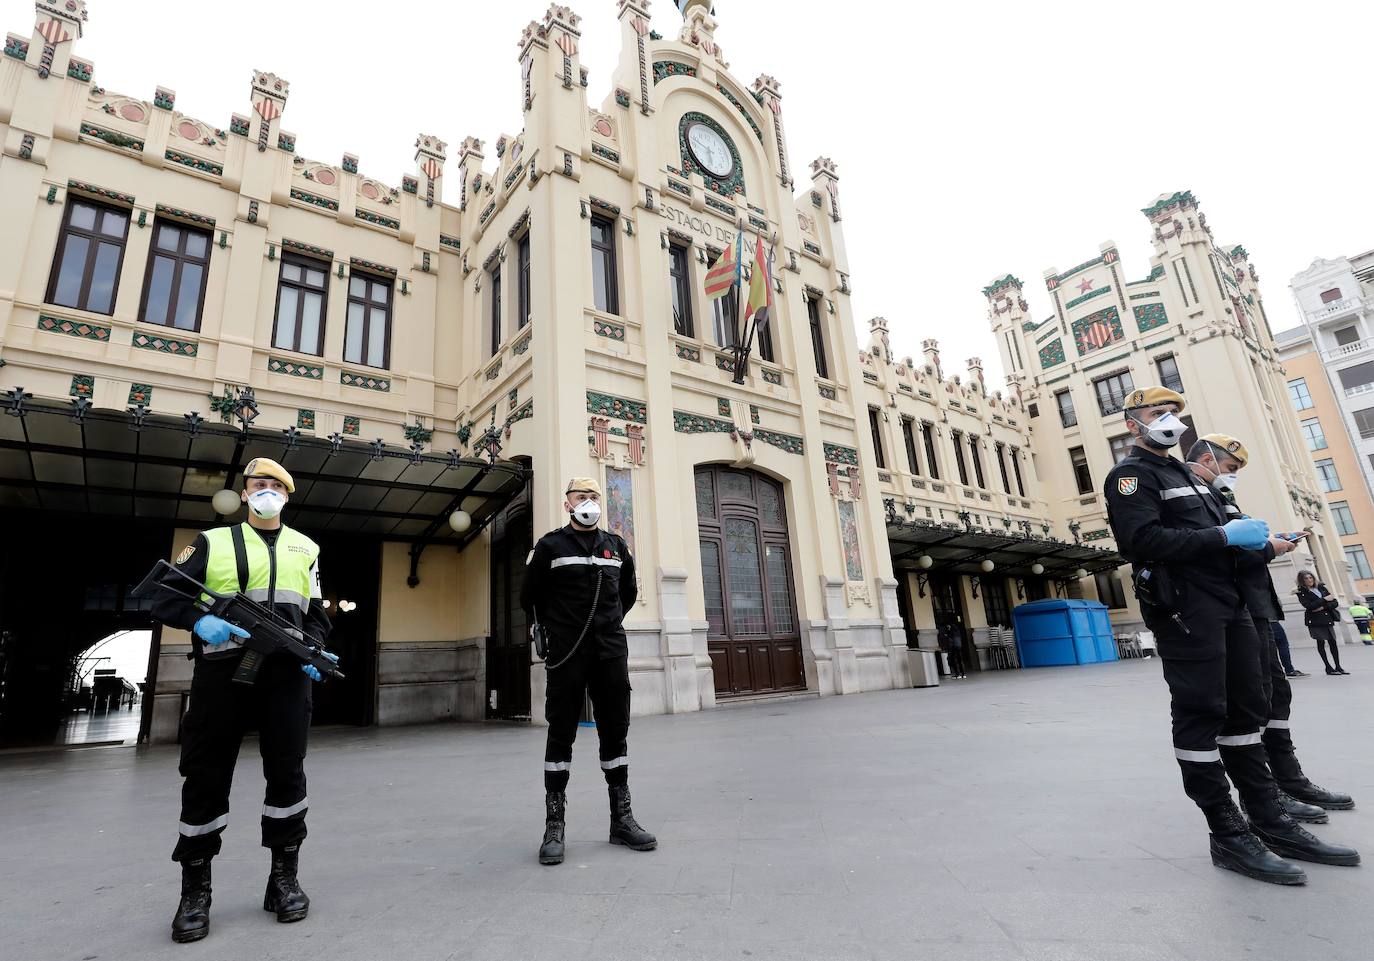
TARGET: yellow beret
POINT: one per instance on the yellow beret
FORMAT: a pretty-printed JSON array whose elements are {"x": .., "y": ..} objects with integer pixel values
[
  {"x": 586, "y": 484},
  {"x": 1229, "y": 445},
  {"x": 1152, "y": 397},
  {"x": 267, "y": 467}
]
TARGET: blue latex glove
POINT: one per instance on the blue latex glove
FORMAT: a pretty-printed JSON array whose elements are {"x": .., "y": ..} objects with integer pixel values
[
  {"x": 216, "y": 630},
  {"x": 1246, "y": 533},
  {"x": 313, "y": 672}
]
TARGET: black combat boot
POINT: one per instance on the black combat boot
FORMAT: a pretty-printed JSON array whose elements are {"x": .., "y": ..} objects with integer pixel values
[
  {"x": 1235, "y": 848},
  {"x": 284, "y": 894},
  {"x": 1287, "y": 838},
  {"x": 1309, "y": 793},
  {"x": 1301, "y": 810},
  {"x": 624, "y": 828},
  {"x": 192, "y": 921},
  {"x": 555, "y": 808}
]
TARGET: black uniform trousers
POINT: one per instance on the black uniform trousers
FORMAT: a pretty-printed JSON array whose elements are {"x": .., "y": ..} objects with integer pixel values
[
  {"x": 221, "y": 712},
  {"x": 1278, "y": 739},
  {"x": 607, "y": 680},
  {"x": 1219, "y": 706}
]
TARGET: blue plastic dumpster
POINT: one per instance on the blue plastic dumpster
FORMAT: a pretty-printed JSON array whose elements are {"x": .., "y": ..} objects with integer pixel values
[{"x": 1053, "y": 633}]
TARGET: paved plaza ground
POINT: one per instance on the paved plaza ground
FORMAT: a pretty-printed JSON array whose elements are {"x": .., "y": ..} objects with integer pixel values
[{"x": 1017, "y": 815}]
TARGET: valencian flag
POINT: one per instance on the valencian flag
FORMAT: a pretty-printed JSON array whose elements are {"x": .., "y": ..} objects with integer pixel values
[
  {"x": 725, "y": 272},
  {"x": 760, "y": 287}
]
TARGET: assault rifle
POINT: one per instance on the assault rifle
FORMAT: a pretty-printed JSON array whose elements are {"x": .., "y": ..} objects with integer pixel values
[{"x": 267, "y": 631}]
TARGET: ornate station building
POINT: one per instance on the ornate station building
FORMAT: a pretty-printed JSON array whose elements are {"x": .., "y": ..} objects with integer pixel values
[
  {"x": 1196, "y": 324},
  {"x": 433, "y": 354}
]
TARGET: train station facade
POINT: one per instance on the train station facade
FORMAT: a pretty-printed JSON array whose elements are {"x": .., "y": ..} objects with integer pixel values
[{"x": 179, "y": 295}]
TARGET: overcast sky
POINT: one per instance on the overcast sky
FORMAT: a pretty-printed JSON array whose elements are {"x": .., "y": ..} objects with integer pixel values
[{"x": 973, "y": 139}]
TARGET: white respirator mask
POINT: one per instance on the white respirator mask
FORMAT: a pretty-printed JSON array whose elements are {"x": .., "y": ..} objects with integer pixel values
[
  {"x": 587, "y": 513},
  {"x": 1225, "y": 482},
  {"x": 1164, "y": 431},
  {"x": 266, "y": 503}
]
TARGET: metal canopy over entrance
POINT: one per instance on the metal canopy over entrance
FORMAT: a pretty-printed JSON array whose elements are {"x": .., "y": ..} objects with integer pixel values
[
  {"x": 78, "y": 460},
  {"x": 962, "y": 549}
]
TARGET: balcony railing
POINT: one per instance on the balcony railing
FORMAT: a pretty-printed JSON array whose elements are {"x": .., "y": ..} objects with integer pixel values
[
  {"x": 1348, "y": 350},
  {"x": 1359, "y": 389},
  {"x": 1336, "y": 308},
  {"x": 1111, "y": 403}
]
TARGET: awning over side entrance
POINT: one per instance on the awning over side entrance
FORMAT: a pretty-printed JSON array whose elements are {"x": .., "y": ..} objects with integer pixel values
[
  {"x": 80, "y": 460},
  {"x": 960, "y": 548}
]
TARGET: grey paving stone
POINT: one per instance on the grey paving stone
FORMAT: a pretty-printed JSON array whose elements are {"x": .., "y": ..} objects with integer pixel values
[{"x": 1031, "y": 815}]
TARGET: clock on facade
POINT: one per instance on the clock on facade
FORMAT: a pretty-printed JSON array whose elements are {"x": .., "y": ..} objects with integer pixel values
[{"x": 710, "y": 150}]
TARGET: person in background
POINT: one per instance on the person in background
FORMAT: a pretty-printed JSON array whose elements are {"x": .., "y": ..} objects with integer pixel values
[
  {"x": 1361, "y": 614},
  {"x": 1323, "y": 610},
  {"x": 1285, "y": 655},
  {"x": 950, "y": 643}
]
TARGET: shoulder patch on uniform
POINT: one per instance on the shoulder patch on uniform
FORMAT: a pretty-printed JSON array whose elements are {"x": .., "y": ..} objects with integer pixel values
[
  {"x": 1127, "y": 485},
  {"x": 185, "y": 555}
]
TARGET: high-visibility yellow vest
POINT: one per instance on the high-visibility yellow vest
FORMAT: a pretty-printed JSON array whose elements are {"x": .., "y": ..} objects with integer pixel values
[{"x": 295, "y": 566}]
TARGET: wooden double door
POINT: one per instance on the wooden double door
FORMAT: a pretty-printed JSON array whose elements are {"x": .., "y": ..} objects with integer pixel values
[{"x": 754, "y": 637}]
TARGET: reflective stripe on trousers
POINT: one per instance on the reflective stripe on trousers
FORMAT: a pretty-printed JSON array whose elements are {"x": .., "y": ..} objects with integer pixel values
[
  {"x": 1202, "y": 757},
  {"x": 196, "y": 830},
  {"x": 270, "y": 812}
]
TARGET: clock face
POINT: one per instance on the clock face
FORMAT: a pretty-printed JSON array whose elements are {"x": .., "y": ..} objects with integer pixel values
[{"x": 710, "y": 150}]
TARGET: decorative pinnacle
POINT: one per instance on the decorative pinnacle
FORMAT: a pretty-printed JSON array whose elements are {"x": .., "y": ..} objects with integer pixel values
[
  {"x": 270, "y": 84},
  {"x": 823, "y": 165}
]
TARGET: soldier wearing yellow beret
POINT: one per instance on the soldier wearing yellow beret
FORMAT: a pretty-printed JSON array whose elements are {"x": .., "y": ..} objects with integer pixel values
[
  {"x": 1183, "y": 547},
  {"x": 1216, "y": 460},
  {"x": 278, "y": 567},
  {"x": 579, "y": 583}
]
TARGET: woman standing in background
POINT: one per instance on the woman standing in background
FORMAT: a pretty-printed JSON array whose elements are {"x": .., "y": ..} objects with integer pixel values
[{"x": 1323, "y": 610}]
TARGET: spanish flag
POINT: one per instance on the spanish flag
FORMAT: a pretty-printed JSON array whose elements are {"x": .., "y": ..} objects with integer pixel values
[
  {"x": 724, "y": 273},
  {"x": 760, "y": 289}
]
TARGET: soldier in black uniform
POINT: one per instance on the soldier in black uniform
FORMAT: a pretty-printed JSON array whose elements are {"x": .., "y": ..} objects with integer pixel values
[
  {"x": 1181, "y": 546},
  {"x": 1216, "y": 460},
  {"x": 578, "y": 584}
]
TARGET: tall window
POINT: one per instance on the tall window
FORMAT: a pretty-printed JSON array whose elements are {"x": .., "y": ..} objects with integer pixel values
[
  {"x": 977, "y": 460},
  {"x": 1347, "y": 335},
  {"x": 1364, "y": 421},
  {"x": 302, "y": 290},
  {"x": 909, "y": 439},
  {"x": 1064, "y": 400},
  {"x": 813, "y": 316},
  {"x": 1356, "y": 376},
  {"x": 1345, "y": 521},
  {"x": 1002, "y": 467},
  {"x": 958, "y": 438},
  {"x": 995, "y": 603},
  {"x": 680, "y": 276},
  {"x": 1121, "y": 446},
  {"x": 495, "y": 318},
  {"x": 765, "y": 333},
  {"x": 522, "y": 268},
  {"x": 877, "y": 438},
  {"x": 174, "y": 286},
  {"x": 1016, "y": 469},
  {"x": 1326, "y": 473},
  {"x": 367, "y": 335},
  {"x": 928, "y": 442},
  {"x": 1359, "y": 564},
  {"x": 605, "y": 292},
  {"x": 1079, "y": 459},
  {"x": 90, "y": 251},
  {"x": 724, "y": 311},
  {"x": 1110, "y": 590},
  {"x": 1312, "y": 431},
  {"x": 1297, "y": 392},
  {"x": 1112, "y": 391},
  {"x": 1168, "y": 373}
]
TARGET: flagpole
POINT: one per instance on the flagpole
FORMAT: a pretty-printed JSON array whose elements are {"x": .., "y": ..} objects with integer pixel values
[{"x": 741, "y": 355}]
